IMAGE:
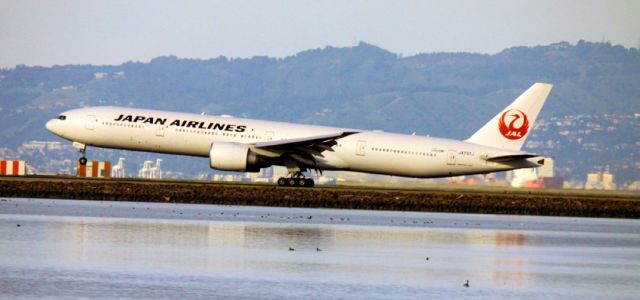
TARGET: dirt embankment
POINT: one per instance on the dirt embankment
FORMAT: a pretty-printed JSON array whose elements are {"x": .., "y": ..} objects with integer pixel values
[{"x": 485, "y": 202}]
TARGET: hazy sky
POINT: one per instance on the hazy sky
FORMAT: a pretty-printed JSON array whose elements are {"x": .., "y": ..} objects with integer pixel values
[{"x": 111, "y": 32}]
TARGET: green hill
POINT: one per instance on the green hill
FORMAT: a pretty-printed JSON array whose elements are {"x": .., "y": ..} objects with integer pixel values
[{"x": 437, "y": 94}]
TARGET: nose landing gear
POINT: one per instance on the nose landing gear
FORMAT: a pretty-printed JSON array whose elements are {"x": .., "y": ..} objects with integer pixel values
[{"x": 82, "y": 148}]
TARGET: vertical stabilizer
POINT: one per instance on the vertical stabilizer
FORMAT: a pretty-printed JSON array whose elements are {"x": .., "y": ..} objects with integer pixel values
[{"x": 509, "y": 128}]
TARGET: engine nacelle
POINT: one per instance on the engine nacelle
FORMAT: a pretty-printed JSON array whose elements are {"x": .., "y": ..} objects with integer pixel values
[{"x": 233, "y": 157}]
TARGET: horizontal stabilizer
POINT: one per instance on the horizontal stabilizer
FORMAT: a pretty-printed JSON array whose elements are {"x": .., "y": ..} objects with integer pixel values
[{"x": 511, "y": 157}]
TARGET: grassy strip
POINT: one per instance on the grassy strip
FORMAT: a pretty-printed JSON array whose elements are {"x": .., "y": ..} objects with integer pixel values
[{"x": 489, "y": 202}]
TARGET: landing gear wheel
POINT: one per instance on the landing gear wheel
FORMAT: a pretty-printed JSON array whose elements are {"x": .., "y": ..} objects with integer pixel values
[
  {"x": 82, "y": 161},
  {"x": 297, "y": 180},
  {"x": 309, "y": 182},
  {"x": 292, "y": 182}
]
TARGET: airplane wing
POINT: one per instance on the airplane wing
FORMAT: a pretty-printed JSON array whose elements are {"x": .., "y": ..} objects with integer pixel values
[
  {"x": 326, "y": 139},
  {"x": 303, "y": 149}
]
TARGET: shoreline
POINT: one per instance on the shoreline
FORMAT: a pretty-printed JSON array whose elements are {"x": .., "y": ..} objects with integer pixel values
[{"x": 448, "y": 199}]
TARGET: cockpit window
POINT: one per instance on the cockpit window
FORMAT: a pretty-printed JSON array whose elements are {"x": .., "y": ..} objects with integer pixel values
[{"x": 62, "y": 117}]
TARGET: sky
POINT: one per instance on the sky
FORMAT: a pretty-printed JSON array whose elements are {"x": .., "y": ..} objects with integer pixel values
[{"x": 45, "y": 33}]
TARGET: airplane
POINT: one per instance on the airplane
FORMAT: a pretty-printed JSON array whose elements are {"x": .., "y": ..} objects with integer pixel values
[{"x": 247, "y": 145}]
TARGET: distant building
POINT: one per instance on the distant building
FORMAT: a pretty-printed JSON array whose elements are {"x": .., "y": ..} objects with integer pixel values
[
  {"x": 278, "y": 172},
  {"x": 200, "y": 176},
  {"x": 546, "y": 170},
  {"x": 326, "y": 180},
  {"x": 546, "y": 175},
  {"x": 634, "y": 186},
  {"x": 250, "y": 177},
  {"x": 607, "y": 181},
  {"x": 456, "y": 179},
  {"x": 157, "y": 170},
  {"x": 266, "y": 172},
  {"x": 230, "y": 177},
  {"x": 118, "y": 170},
  {"x": 145, "y": 171},
  {"x": 541, "y": 177},
  {"x": 600, "y": 181},
  {"x": 150, "y": 171},
  {"x": 264, "y": 175},
  {"x": 521, "y": 177},
  {"x": 552, "y": 182}
]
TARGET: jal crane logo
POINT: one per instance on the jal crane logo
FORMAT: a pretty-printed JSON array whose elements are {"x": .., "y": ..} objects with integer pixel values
[{"x": 513, "y": 124}]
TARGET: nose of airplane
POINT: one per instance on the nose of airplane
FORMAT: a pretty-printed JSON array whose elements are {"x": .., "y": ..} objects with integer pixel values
[
  {"x": 54, "y": 127},
  {"x": 49, "y": 125}
]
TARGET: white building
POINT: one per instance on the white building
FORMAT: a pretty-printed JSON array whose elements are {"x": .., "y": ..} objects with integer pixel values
[
  {"x": 600, "y": 181},
  {"x": 546, "y": 170},
  {"x": 117, "y": 171},
  {"x": 151, "y": 171},
  {"x": 520, "y": 176}
]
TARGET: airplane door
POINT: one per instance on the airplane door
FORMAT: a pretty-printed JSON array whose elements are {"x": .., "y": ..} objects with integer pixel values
[
  {"x": 90, "y": 122},
  {"x": 160, "y": 130},
  {"x": 451, "y": 157},
  {"x": 361, "y": 148}
]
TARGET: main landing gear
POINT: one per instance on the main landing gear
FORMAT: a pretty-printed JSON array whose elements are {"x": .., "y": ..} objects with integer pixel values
[{"x": 297, "y": 179}]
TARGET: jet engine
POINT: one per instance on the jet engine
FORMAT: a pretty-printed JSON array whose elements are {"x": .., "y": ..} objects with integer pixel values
[{"x": 233, "y": 157}]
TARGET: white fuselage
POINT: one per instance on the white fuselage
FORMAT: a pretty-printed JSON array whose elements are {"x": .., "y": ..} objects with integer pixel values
[{"x": 193, "y": 134}]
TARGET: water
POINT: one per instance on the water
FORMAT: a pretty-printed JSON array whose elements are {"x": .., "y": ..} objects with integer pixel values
[{"x": 93, "y": 249}]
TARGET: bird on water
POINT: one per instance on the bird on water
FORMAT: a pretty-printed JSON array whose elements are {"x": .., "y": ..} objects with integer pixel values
[{"x": 466, "y": 284}]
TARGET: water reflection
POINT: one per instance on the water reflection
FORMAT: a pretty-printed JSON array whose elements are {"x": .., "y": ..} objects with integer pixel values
[
  {"x": 510, "y": 271},
  {"x": 509, "y": 239},
  {"x": 394, "y": 254},
  {"x": 397, "y": 258}
]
